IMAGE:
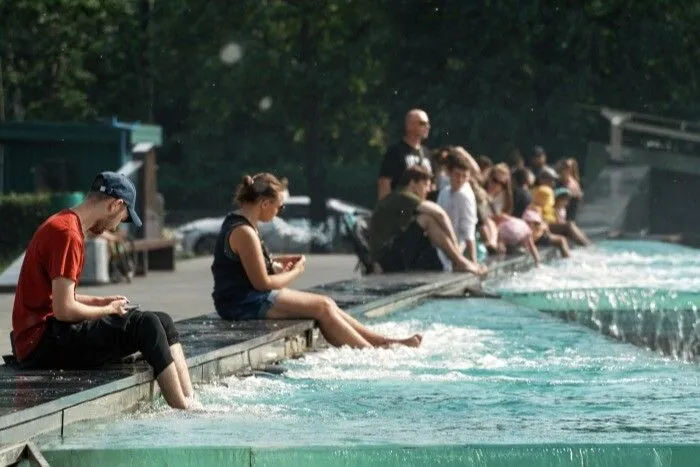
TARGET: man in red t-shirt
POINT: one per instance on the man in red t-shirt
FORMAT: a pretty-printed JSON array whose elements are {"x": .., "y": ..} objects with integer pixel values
[{"x": 55, "y": 327}]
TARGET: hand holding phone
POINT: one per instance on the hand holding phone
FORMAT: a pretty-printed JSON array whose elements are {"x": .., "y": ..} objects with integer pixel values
[{"x": 121, "y": 307}]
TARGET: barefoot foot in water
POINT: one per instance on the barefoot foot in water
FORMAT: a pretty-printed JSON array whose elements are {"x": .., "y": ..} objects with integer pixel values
[{"x": 413, "y": 341}]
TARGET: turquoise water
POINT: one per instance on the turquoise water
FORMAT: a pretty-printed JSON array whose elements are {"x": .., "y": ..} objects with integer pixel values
[
  {"x": 645, "y": 293},
  {"x": 614, "y": 264},
  {"x": 489, "y": 372}
]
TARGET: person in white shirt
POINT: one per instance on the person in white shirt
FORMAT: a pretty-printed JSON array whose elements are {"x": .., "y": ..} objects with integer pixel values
[{"x": 457, "y": 199}]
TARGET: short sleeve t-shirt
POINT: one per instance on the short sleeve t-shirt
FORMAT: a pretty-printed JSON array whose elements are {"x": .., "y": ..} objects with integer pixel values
[
  {"x": 55, "y": 250},
  {"x": 513, "y": 231},
  {"x": 391, "y": 216},
  {"x": 460, "y": 207},
  {"x": 399, "y": 157},
  {"x": 543, "y": 197}
]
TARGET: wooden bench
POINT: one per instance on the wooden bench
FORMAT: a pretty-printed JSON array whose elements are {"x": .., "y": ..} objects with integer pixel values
[{"x": 155, "y": 254}]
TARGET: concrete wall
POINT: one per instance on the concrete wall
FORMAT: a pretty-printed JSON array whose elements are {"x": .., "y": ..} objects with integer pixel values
[{"x": 673, "y": 202}]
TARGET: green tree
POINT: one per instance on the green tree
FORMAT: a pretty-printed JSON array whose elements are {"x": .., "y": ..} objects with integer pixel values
[
  {"x": 316, "y": 89},
  {"x": 54, "y": 56},
  {"x": 301, "y": 95}
]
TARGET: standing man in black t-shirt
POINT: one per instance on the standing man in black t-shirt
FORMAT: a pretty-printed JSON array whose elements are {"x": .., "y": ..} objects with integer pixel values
[{"x": 405, "y": 153}]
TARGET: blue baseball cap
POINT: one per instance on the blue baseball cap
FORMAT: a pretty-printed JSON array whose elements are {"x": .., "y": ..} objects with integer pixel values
[{"x": 119, "y": 186}]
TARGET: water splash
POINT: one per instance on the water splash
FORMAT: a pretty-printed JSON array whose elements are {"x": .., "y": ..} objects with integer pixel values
[
  {"x": 488, "y": 372},
  {"x": 644, "y": 293},
  {"x": 612, "y": 265}
]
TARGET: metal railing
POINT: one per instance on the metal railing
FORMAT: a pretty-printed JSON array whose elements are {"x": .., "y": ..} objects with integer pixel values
[{"x": 645, "y": 124}]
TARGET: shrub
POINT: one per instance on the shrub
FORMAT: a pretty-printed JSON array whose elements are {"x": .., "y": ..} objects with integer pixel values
[{"x": 20, "y": 215}]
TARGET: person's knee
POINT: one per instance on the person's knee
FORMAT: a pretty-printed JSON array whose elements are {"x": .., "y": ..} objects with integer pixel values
[
  {"x": 325, "y": 308},
  {"x": 169, "y": 326},
  {"x": 152, "y": 341},
  {"x": 149, "y": 326},
  {"x": 560, "y": 241}
]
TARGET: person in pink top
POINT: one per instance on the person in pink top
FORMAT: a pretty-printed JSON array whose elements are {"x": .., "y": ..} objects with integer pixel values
[
  {"x": 541, "y": 234},
  {"x": 513, "y": 232}
]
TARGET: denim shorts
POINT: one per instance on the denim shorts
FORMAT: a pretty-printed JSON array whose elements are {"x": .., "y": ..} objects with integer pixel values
[{"x": 254, "y": 306}]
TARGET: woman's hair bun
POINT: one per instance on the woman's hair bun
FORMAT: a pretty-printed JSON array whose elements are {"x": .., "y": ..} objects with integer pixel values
[{"x": 252, "y": 188}]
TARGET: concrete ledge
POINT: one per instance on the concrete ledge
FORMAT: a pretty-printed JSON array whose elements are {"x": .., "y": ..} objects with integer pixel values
[
  {"x": 36, "y": 402},
  {"x": 442, "y": 283},
  {"x": 560, "y": 454}
]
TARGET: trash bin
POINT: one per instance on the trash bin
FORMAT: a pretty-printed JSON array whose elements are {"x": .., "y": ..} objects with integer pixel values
[{"x": 60, "y": 201}]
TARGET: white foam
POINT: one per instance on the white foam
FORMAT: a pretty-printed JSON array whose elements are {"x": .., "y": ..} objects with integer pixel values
[{"x": 678, "y": 270}]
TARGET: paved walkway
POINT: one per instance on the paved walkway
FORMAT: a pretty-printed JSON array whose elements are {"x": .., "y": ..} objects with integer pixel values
[{"x": 186, "y": 292}]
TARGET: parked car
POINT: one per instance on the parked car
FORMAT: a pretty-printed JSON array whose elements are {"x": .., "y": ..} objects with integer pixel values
[
  {"x": 297, "y": 211},
  {"x": 290, "y": 232}
]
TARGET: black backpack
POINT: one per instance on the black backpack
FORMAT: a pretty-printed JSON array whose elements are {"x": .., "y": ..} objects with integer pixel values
[{"x": 358, "y": 231}]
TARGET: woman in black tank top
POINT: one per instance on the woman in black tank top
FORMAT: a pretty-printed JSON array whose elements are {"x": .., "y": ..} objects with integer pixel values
[{"x": 250, "y": 284}]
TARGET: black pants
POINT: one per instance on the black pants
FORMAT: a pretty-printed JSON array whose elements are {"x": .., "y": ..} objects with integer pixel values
[
  {"x": 92, "y": 343},
  {"x": 411, "y": 251}
]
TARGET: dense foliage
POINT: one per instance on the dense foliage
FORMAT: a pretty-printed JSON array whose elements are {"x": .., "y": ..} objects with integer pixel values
[
  {"x": 316, "y": 89},
  {"x": 26, "y": 213}
]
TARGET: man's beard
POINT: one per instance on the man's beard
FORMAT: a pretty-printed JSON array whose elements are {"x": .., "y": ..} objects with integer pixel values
[{"x": 102, "y": 225}]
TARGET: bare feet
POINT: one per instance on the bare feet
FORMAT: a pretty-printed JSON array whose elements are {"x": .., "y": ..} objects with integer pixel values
[
  {"x": 480, "y": 270},
  {"x": 467, "y": 266},
  {"x": 413, "y": 341}
]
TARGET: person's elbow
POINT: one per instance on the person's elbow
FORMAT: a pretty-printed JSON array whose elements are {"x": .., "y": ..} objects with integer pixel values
[
  {"x": 383, "y": 187},
  {"x": 63, "y": 310},
  {"x": 444, "y": 218},
  {"x": 261, "y": 284}
]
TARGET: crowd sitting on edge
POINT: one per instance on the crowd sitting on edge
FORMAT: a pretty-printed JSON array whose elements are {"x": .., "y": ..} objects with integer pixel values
[
  {"x": 505, "y": 207},
  {"x": 431, "y": 213}
]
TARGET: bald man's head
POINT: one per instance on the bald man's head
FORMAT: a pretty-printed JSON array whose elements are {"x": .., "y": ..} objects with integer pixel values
[{"x": 416, "y": 124}]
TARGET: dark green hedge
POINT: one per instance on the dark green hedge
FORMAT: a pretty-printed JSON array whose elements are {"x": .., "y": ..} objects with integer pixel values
[{"x": 20, "y": 215}]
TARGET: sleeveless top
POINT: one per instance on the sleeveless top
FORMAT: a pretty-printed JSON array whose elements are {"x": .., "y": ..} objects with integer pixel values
[{"x": 231, "y": 283}]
